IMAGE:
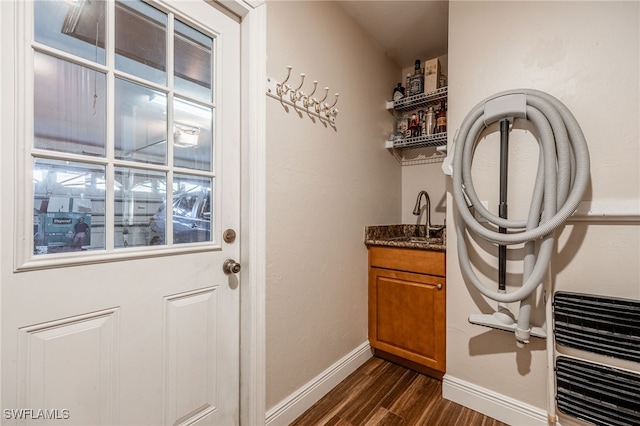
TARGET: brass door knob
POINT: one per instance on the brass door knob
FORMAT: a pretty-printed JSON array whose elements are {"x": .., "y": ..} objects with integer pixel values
[{"x": 230, "y": 266}]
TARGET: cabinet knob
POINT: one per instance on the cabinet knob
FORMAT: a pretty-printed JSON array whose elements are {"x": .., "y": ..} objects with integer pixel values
[{"x": 439, "y": 286}]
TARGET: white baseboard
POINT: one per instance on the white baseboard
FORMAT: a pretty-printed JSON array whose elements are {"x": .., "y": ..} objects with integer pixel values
[
  {"x": 492, "y": 404},
  {"x": 298, "y": 402}
]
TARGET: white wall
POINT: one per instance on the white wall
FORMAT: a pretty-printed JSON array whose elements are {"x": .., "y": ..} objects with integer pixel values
[
  {"x": 324, "y": 186},
  {"x": 587, "y": 55}
]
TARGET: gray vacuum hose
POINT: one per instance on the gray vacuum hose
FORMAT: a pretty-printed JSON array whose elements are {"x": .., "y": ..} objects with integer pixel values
[{"x": 561, "y": 181}]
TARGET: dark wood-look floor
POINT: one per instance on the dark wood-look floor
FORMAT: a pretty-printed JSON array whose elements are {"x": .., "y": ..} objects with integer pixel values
[{"x": 382, "y": 393}]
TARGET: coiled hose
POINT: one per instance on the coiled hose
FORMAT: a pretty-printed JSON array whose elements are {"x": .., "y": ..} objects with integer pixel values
[{"x": 561, "y": 180}]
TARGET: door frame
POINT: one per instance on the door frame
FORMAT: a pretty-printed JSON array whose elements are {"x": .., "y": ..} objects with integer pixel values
[
  {"x": 253, "y": 33},
  {"x": 252, "y": 372}
]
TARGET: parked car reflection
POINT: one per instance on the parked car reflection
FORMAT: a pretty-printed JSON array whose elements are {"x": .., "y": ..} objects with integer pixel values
[{"x": 191, "y": 219}]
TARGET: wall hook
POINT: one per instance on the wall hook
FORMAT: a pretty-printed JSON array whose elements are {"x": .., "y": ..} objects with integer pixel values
[
  {"x": 319, "y": 102},
  {"x": 282, "y": 85},
  {"x": 334, "y": 102},
  {"x": 306, "y": 100},
  {"x": 315, "y": 86},
  {"x": 326, "y": 93},
  {"x": 296, "y": 94},
  {"x": 329, "y": 110}
]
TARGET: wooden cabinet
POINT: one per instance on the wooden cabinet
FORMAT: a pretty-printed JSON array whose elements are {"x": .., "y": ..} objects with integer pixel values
[{"x": 407, "y": 301}]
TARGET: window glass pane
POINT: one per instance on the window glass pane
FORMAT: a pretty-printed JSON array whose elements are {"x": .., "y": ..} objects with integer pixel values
[
  {"x": 139, "y": 209},
  {"x": 141, "y": 123},
  {"x": 76, "y": 27},
  {"x": 69, "y": 107},
  {"x": 141, "y": 44},
  {"x": 70, "y": 116},
  {"x": 191, "y": 209},
  {"x": 192, "y": 135},
  {"x": 68, "y": 206},
  {"x": 192, "y": 62}
]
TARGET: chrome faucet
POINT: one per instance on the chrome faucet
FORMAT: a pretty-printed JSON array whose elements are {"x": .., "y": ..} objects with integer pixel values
[{"x": 417, "y": 208}]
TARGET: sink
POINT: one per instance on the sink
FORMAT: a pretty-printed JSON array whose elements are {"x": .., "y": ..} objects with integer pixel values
[
  {"x": 416, "y": 239},
  {"x": 412, "y": 236}
]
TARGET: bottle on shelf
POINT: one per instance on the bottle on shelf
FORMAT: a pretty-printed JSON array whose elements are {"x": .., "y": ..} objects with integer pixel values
[
  {"x": 429, "y": 122},
  {"x": 414, "y": 125},
  {"x": 398, "y": 92},
  {"x": 416, "y": 81},
  {"x": 442, "y": 82},
  {"x": 441, "y": 118},
  {"x": 403, "y": 125}
]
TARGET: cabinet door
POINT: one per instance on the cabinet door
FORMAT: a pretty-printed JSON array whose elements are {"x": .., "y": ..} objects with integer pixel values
[{"x": 407, "y": 316}]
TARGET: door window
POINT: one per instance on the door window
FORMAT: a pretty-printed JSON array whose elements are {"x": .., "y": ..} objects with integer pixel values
[{"x": 123, "y": 126}]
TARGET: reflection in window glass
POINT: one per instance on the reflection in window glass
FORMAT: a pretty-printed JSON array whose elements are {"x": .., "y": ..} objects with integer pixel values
[
  {"x": 141, "y": 123},
  {"x": 141, "y": 44},
  {"x": 70, "y": 115},
  {"x": 192, "y": 62},
  {"x": 191, "y": 209},
  {"x": 76, "y": 27},
  {"x": 69, "y": 107},
  {"x": 192, "y": 135},
  {"x": 68, "y": 206},
  {"x": 139, "y": 213}
]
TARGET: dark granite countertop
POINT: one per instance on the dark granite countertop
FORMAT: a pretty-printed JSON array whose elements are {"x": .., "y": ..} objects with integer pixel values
[{"x": 405, "y": 236}]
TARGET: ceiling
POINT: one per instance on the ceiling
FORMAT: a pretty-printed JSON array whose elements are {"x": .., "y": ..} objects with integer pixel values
[{"x": 404, "y": 30}]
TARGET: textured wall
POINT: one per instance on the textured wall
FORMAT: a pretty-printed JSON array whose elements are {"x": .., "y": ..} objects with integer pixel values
[
  {"x": 324, "y": 186},
  {"x": 586, "y": 54}
]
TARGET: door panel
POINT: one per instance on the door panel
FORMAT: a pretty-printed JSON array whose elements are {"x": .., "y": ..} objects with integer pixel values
[
  {"x": 190, "y": 386},
  {"x": 128, "y": 334},
  {"x": 71, "y": 363}
]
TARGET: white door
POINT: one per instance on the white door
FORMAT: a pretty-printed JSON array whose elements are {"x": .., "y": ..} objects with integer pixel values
[{"x": 120, "y": 175}]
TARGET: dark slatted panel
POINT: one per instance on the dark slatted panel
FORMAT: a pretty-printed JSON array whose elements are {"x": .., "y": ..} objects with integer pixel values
[
  {"x": 603, "y": 325},
  {"x": 598, "y": 394}
]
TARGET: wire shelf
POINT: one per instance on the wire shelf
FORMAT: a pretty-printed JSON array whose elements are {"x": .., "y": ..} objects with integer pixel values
[
  {"x": 420, "y": 159},
  {"x": 399, "y": 147},
  {"x": 425, "y": 154},
  {"x": 411, "y": 103},
  {"x": 426, "y": 141}
]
